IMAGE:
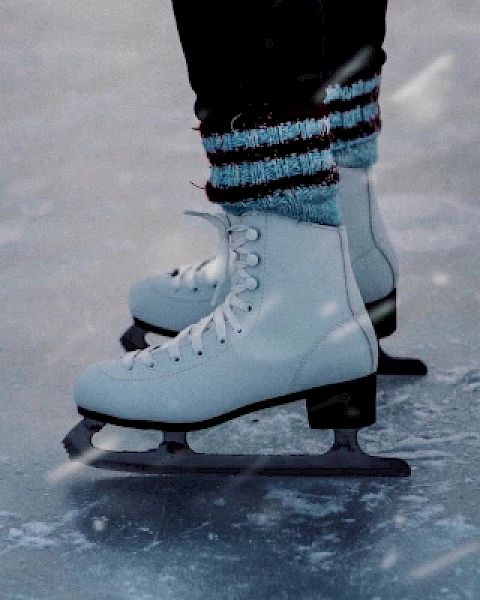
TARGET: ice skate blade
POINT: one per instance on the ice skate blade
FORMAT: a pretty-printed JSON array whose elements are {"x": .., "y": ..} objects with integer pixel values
[
  {"x": 134, "y": 336},
  {"x": 393, "y": 365},
  {"x": 174, "y": 457}
]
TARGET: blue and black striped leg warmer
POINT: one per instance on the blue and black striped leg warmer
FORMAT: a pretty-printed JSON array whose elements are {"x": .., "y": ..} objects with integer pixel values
[
  {"x": 355, "y": 121},
  {"x": 275, "y": 163}
]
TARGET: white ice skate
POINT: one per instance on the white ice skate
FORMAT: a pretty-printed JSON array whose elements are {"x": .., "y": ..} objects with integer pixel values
[
  {"x": 168, "y": 303},
  {"x": 293, "y": 326}
]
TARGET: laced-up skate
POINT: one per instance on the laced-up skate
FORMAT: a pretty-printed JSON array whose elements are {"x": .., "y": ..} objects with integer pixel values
[
  {"x": 293, "y": 326},
  {"x": 168, "y": 303}
]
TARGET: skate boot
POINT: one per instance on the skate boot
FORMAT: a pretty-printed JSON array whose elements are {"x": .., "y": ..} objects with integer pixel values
[
  {"x": 374, "y": 263},
  {"x": 292, "y": 326},
  {"x": 170, "y": 302}
]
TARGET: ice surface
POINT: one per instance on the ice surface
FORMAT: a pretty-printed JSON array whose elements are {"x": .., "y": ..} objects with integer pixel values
[{"x": 96, "y": 155}]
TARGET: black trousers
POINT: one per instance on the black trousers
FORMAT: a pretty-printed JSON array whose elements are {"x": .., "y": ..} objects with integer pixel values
[{"x": 277, "y": 52}]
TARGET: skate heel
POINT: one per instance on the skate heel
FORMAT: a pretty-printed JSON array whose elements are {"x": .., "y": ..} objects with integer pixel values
[
  {"x": 134, "y": 338},
  {"x": 383, "y": 314},
  {"x": 347, "y": 405}
]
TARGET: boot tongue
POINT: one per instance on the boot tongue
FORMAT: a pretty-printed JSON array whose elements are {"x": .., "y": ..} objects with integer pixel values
[
  {"x": 214, "y": 270},
  {"x": 245, "y": 220},
  {"x": 241, "y": 220}
]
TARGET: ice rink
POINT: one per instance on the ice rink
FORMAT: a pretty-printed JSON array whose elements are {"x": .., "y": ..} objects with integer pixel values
[{"x": 97, "y": 153}]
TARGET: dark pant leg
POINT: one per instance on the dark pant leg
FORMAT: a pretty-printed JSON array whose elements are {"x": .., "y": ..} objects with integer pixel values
[
  {"x": 259, "y": 70},
  {"x": 240, "y": 52},
  {"x": 354, "y": 36},
  {"x": 276, "y": 51}
]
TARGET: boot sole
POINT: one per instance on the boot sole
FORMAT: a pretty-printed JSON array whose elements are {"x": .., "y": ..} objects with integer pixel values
[{"x": 346, "y": 405}]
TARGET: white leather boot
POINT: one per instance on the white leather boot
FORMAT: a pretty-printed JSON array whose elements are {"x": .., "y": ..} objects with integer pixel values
[
  {"x": 170, "y": 302},
  {"x": 374, "y": 263},
  {"x": 373, "y": 257},
  {"x": 292, "y": 325}
]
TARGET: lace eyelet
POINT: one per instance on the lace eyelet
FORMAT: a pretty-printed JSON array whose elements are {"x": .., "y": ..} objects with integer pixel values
[
  {"x": 200, "y": 353},
  {"x": 176, "y": 358},
  {"x": 252, "y": 235},
  {"x": 249, "y": 308},
  {"x": 195, "y": 289},
  {"x": 152, "y": 366},
  {"x": 239, "y": 331},
  {"x": 253, "y": 260},
  {"x": 222, "y": 341}
]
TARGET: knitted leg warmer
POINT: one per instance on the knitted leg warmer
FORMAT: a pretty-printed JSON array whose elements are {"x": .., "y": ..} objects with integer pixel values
[
  {"x": 268, "y": 161},
  {"x": 355, "y": 121}
]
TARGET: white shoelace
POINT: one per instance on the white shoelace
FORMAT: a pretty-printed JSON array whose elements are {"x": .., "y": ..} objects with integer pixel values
[
  {"x": 187, "y": 274},
  {"x": 191, "y": 275},
  {"x": 234, "y": 259}
]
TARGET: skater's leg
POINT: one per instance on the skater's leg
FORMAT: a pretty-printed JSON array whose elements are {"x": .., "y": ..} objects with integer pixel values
[
  {"x": 285, "y": 56},
  {"x": 292, "y": 57},
  {"x": 257, "y": 68},
  {"x": 355, "y": 34},
  {"x": 355, "y": 56}
]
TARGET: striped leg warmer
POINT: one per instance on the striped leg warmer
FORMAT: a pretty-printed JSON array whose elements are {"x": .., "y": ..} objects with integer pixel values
[
  {"x": 355, "y": 121},
  {"x": 276, "y": 163}
]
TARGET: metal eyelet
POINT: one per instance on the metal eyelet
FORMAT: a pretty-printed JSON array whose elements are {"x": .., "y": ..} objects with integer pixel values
[{"x": 253, "y": 260}]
